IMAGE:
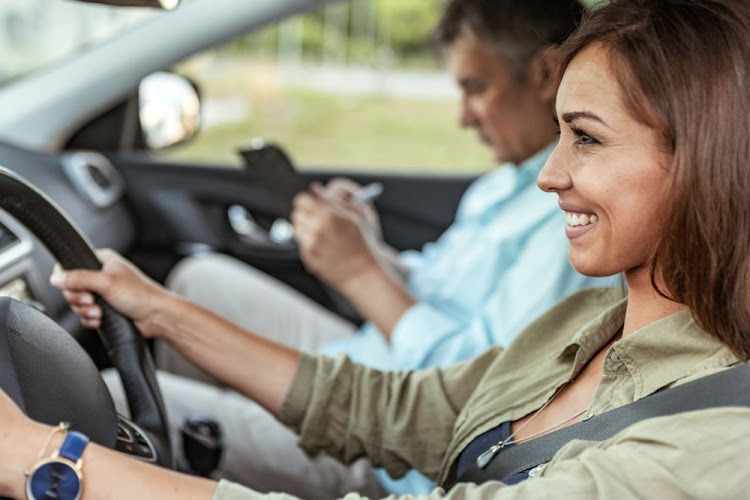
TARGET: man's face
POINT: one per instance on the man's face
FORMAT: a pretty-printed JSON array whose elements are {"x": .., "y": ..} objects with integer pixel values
[{"x": 512, "y": 117}]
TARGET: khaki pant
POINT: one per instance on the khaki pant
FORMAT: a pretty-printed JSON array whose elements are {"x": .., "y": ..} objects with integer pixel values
[
  {"x": 252, "y": 300},
  {"x": 259, "y": 452}
]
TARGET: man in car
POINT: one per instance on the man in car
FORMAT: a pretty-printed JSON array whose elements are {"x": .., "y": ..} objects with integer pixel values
[{"x": 500, "y": 264}]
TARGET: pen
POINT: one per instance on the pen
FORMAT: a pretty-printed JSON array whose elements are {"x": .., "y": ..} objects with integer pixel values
[{"x": 367, "y": 193}]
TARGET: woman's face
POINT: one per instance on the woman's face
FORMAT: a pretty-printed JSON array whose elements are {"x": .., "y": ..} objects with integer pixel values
[{"x": 609, "y": 171}]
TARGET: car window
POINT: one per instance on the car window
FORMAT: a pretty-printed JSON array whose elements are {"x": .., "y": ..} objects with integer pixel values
[
  {"x": 38, "y": 33},
  {"x": 355, "y": 85}
]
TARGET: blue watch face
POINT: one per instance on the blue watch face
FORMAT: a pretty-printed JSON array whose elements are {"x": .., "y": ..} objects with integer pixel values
[{"x": 54, "y": 480}]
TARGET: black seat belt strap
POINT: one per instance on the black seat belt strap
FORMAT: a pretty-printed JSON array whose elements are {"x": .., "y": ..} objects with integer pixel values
[{"x": 727, "y": 388}]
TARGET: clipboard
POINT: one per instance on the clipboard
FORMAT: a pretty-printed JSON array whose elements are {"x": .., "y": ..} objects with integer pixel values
[{"x": 270, "y": 166}]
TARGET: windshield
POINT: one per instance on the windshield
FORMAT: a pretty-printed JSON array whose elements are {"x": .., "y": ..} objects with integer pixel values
[{"x": 38, "y": 33}]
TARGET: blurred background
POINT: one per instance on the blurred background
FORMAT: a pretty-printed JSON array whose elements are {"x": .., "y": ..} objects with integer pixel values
[{"x": 354, "y": 84}]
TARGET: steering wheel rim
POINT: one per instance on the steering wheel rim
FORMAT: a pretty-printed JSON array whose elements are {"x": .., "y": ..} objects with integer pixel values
[{"x": 125, "y": 346}]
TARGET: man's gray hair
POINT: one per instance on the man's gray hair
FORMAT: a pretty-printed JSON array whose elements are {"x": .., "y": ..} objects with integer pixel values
[{"x": 517, "y": 29}]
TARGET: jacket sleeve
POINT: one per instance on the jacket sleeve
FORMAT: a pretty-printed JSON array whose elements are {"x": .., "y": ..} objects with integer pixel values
[
  {"x": 699, "y": 454},
  {"x": 399, "y": 420}
]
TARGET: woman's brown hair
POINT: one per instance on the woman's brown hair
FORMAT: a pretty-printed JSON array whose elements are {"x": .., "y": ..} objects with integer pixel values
[{"x": 683, "y": 68}]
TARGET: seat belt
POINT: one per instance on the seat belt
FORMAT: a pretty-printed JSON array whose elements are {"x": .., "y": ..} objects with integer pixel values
[{"x": 730, "y": 387}]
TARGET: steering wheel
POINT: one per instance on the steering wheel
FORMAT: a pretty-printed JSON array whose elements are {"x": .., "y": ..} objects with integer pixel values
[{"x": 125, "y": 346}]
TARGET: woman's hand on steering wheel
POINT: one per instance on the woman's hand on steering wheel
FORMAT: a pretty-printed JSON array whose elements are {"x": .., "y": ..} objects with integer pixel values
[{"x": 120, "y": 284}]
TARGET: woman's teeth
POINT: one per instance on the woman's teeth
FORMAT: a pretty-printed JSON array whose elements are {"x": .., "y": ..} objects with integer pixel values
[{"x": 580, "y": 219}]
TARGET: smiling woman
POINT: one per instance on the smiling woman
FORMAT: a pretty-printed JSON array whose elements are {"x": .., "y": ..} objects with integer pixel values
[
  {"x": 671, "y": 163},
  {"x": 608, "y": 169},
  {"x": 652, "y": 168}
]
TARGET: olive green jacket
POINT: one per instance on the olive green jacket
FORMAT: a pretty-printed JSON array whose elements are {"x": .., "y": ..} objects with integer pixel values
[{"x": 424, "y": 419}]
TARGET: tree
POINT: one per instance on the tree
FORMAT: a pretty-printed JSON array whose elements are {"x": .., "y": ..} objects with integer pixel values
[{"x": 407, "y": 25}]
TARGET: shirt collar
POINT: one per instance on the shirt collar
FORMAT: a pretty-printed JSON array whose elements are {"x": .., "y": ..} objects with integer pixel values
[
  {"x": 502, "y": 184},
  {"x": 657, "y": 355},
  {"x": 678, "y": 345},
  {"x": 532, "y": 166},
  {"x": 526, "y": 171},
  {"x": 596, "y": 333}
]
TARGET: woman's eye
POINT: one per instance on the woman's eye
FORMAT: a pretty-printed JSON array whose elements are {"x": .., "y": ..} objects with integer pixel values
[{"x": 584, "y": 138}]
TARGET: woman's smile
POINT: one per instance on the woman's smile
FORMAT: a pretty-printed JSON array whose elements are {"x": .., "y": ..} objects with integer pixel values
[
  {"x": 579, "y": 224},
  {"x": 609, "y": 170},
  {"x": 579, "y": 220}
]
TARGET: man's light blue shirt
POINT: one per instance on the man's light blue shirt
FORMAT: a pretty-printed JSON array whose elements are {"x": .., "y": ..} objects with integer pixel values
[{"x": 502, "y": 263}]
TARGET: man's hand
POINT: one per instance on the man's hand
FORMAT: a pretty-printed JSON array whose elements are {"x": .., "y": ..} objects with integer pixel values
[
  {"x": 340, "y": 241},
  {"x": 119, "y": 283},
  {"x": 341, "y": 191},
  {"x": 331, "y": 233}
]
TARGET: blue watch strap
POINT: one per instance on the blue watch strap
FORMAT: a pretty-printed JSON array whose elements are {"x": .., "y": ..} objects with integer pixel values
[{"x": 73, "y": 446}]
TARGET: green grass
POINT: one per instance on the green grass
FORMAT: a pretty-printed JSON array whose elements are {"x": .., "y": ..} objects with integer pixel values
[{"x": 371, "y": 133}]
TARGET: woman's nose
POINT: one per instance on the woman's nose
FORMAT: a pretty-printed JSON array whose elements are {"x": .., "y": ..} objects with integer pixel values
[{"x": 554, "y": 177}]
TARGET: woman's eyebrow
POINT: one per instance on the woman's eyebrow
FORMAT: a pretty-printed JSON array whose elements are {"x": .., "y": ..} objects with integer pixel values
[{"x": 582, "y": 115}]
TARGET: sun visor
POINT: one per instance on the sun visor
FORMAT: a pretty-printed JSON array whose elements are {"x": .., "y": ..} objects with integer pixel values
[{"x": 158, "y": 4}]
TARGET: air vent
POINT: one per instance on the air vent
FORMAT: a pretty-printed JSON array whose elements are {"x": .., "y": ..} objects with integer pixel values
[
  {"x": 94, "y": 177},
  {"x": 98, "y": 177},
  {"x": 14, "y": 241}
]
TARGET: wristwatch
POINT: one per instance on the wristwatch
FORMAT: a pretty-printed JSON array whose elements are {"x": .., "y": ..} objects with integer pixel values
[{"x": 59, "y": 477}]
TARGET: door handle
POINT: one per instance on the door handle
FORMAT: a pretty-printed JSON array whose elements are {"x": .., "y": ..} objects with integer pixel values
[{"x": 248, "y": 230}]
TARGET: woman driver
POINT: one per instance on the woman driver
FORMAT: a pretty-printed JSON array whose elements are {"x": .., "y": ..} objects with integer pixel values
[{"x": 651, "y": 168}]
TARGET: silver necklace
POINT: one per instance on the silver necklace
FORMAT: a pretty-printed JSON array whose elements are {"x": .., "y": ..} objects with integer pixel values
[{"x": 486, "y": 457}]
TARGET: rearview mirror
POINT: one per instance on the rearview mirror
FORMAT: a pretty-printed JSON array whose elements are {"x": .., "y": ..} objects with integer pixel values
[
  {"x": 159, "y": 4},
  {"x": 169, "y": 109}
]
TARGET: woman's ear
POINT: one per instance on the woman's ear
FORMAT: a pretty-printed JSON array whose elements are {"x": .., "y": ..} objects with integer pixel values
[{"x": 540, "y": 72}]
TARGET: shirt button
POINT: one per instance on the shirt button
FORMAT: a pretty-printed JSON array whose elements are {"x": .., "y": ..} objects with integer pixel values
[
  {"x": 615, "y": 358},
  {"x": 533, "y": 472}
]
